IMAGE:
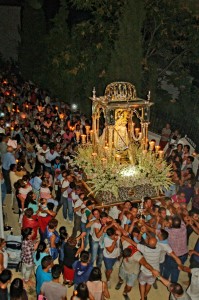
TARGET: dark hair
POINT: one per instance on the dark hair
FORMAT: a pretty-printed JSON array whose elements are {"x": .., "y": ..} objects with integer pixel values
[
  {"x": 176, "y": 288},
  {"x": 95, "y": 209},
  {"x": 176, "y": 222},
  {"x": 5, "y": 275},
  {"x": 25, "y": 232},
  {"x": 110, "y": 231},
  {"x": 164, "y": 234},
  {"x": 41, "y": 248},
  {"x": 50, "y": 206},
  {"x": 72, "y": 185},
  {"x": 128, "y": 201},
  {"x": 56, "y": 271},
  {"x": 187, "y": 146},
  {"x": 135, "y": 230},
  {"x": 46, "y": 261},
  {"x": 89, "y": 203},
  {"x": 52, "y": 223},
  {"x": 191, "y": 158},
  {"x": 29, "y": 198},
  {"x": 127, "y": 252},
  {"x": 82, "y": 291},
  {"x": 95, "y": 274},
  {"x": 161, "y": 209},
  {"x": 17, "y": 291},
  {"x": 62, "y": 229},
  {"x": 12, "y": 167},
  {"x": 84, "y": 256},
  {"x": 29, "y": 212},
  {"x": 103, "y": 215},
  {"x": 147, "y": 198}
]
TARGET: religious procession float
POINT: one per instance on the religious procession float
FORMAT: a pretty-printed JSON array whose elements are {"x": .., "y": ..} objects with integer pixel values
[{"x": 118, "y": 160}]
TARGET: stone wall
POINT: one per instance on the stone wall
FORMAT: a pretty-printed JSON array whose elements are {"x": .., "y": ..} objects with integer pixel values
[{"x": 9, "y": 31}]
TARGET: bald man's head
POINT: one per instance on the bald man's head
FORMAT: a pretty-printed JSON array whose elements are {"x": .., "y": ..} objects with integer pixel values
[
  {"x": 152, "y": 242},
  {"x": 10, "y": 149}
]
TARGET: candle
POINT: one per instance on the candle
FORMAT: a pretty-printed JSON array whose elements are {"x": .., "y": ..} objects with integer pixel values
[
  {"x": 87, "y": 129},
  {"x": 106, "y": 149},
  {"x": 161, "y": 153},
  {"x": 152, "y": 145},
  {"x": 157, "y": 148},
  {"x": 77, "y": 134},
  {"x": 12, "y": 128},
  {"x": 117, "y": 158},
  {"x": 104, "y": 162},
  {"x": 61, "y": 116},
  {"x": 94, "y": 155},
  {"x": 91, "y": 135},
  {"x": 137, "y": 130},
  {"x": 83, "y": 136}
]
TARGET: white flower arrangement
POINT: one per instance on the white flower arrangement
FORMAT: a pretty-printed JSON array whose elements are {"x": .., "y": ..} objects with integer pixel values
[{"x": 105, "y": 174}]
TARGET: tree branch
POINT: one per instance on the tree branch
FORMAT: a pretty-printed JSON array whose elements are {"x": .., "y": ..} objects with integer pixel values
[{"x": 171, "y": 62}]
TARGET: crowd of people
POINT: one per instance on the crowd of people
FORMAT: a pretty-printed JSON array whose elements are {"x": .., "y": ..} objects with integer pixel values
[{"x": 38, "y": 149}]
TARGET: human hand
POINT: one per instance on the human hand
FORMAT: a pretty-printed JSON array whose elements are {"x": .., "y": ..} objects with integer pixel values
[
  {"x": 155, "y": 273},
  {"x": 191, "y": 252},
  {"x": 83, "y": 234}
]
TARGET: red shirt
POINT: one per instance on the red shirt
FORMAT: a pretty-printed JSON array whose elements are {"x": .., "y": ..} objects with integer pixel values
[
  {"x": 43, "y": 222},
  {"x": 32, "y": 223}
]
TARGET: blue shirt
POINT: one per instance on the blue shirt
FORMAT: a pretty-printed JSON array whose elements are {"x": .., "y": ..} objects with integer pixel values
[
  {"x": 82, "y": 273},
  {"x": 36, "y": 183},
  {"x": 38, "y": 262},
  {"x": 41, "y": 277},
  {"x": 7, "y": 160}
]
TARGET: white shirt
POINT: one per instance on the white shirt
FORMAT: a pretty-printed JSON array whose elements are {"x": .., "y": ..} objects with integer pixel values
[
  {"x": 74, "y": 197},
  {"x": 193, "y": 290},
  {"x": 107, "y": 243},
  {"x": 78, "y": 203},
  {"x": 165, "y": 249},
  {"x": 65, "y": 184},
  {"x": 152, "y": 256},
  {"x": 50, "y": 157},
  {"x": 97, "y": 226}
]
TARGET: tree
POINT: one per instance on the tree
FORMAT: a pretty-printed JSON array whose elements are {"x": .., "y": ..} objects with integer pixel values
[
  {"x": 126, "y": 58},
  {"x": 170, "y": 36},
  {"x": 31, "y": 51}
]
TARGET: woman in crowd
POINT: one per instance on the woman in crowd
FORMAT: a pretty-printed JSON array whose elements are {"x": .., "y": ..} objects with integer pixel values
[
  {"x": 31, "y": 202},
  {"x": 97, "y": 288},
  {"x": 82, "y": 293},
  {"x": 39, "y": 253},
  {"x": 52, "y": 237},
  {"x": 30, "y": 221},
  {"x": 17, "y": 291},
  {"x": 28, "y": 248}
]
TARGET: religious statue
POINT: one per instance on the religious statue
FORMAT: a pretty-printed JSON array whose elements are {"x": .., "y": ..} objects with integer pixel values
[{"x": 121, "y": 140}]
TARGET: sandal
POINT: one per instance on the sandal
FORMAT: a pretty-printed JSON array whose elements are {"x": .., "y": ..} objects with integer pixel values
[{"x": 118, "y": 285}]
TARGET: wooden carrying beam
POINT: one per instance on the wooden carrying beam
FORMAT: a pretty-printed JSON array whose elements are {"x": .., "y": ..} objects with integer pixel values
[{"x": 100, "y": 206}]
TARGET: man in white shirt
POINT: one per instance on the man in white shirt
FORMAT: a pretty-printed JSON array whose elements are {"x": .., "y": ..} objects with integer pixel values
[
  {"x": 98, "y": 229},
  {"x": 50, "y": 156},
  {"x": 77, "y": 215},
  {"x": 41, "y": 154},
  {"x": 130, "y": 267},
  {"x": 152, "y": 252},
  {"x": 67, "y": 179},
  {"x": 111, "y": 251}
]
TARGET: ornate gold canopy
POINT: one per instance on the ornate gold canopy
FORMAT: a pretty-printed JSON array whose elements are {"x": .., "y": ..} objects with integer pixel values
[{"x": 126, "y": 117}]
